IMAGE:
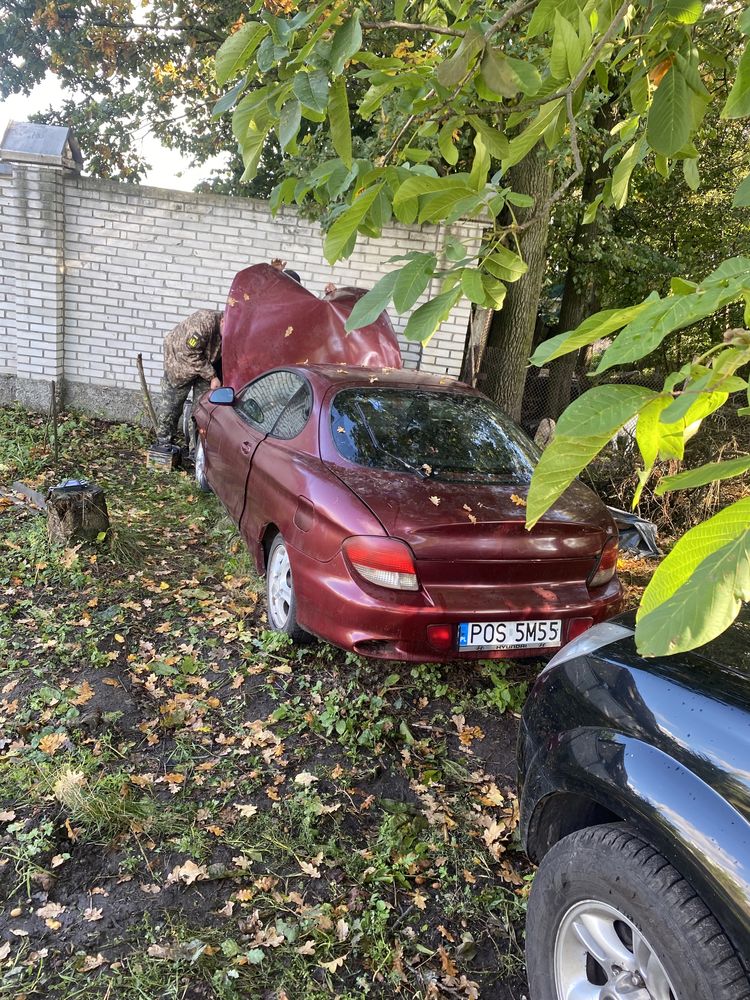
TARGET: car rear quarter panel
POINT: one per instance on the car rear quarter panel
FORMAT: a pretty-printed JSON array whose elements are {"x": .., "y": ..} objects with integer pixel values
[{"x": 604, "y": 741}]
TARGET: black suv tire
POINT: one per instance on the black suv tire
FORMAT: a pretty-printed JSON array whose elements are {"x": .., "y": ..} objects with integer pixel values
[{"x": 614, "y": 866}]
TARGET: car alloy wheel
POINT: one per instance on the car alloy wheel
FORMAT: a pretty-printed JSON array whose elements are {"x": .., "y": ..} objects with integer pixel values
[
  {"x": 609, "y": 918},
  {"x": 601, "y": 955},
  {"x": 279, "y": 587},
  {"x": 282, "y": 603}
]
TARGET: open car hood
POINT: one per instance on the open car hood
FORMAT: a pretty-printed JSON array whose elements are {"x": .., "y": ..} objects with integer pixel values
[{"x": 271, "y": 321}]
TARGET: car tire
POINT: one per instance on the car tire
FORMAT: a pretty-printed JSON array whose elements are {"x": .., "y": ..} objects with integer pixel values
[
  {"x": 280, "y": 596},
  {"x": 604, "y": 899},
  {"x": 200, "y": 467}
]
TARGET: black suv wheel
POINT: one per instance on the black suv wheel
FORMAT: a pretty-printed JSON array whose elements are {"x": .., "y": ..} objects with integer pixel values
[{"x": 609, "y": 918}]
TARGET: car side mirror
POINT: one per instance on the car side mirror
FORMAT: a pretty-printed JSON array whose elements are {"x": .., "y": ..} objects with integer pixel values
[{"x": 222, "y": 397}]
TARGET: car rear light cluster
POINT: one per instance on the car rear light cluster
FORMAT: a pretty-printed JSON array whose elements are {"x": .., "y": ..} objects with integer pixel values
[
  {"x": 605, "y": 568},
  {"x": 386, "y": 562}
]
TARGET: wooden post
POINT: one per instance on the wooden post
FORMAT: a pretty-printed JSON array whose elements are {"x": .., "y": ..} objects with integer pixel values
[
  {"x": 53, "y": 415},
  {"x": 146, "y": 395}
]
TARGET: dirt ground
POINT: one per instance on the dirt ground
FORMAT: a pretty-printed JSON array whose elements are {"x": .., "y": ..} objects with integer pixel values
[{"x": 190, "y": 807}]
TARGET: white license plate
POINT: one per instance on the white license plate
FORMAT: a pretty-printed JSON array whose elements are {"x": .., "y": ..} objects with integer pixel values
[{"x": 510, "y": 635}]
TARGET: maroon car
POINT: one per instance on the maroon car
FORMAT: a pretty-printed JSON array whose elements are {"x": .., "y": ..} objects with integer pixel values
[{"x": 386, "y": 509}]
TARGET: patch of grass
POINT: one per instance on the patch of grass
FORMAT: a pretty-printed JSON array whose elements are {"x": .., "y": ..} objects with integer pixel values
[{"x": 103, "y": 805}]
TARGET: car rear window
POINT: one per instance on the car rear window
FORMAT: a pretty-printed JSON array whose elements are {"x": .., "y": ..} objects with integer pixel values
[{"x": 441, "y": 434}]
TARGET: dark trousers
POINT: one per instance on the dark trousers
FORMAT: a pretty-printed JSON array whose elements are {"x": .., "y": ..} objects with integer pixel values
[{"x": 172, "y": 403}]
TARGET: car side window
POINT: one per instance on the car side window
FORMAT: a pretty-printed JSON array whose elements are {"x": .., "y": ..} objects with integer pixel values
[
  {"x": 295, "y": 416},
  {"x": 262, "y": 403}
]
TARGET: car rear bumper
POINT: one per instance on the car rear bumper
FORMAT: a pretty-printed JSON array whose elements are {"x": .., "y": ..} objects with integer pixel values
[{"x": 393, "y": 625}]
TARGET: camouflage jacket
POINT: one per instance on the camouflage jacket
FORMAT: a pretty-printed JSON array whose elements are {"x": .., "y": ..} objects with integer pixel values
[{"x": 192, "y": 347}]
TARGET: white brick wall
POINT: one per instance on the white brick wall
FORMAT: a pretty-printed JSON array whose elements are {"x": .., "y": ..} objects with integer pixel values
[{"x": 137, "y": 260}]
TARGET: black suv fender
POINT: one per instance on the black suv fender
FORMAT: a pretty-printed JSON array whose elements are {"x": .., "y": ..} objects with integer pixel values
[{"x": 591, "y": 775}]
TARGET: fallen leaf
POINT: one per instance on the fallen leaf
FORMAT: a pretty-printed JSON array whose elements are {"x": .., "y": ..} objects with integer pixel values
[
  {"x": 472, "y": 518},
  {"x": 305, "y": 779},
  {"x": 92, "y": 913},
  {"x": 449, "y": 966},
  {"x": 51, "y": 743},
  {"x": 420, "y": 900},
  {"x": 309, "y": 869},
  {"x": 188, "y": 873},
  {"x": 85, "y": 693},
  {"x": 7, "y": 816},
  {"x": 246, "y": 809},
  {"x": 289, "y": 331},
  {"x": 91, "y": 962},
  {"x": 435, "y": 500},
  {"x": 342, "y": 929},
  {"x": 307, "y": 948},
  {"x": 50, "y": 910},
  {"x": 335, "y": 963},
  {"x": 518, "y": 501},
  {"x": 4, "y": 950}
]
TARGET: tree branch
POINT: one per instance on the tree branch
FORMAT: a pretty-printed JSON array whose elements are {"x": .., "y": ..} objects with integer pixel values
[
  {"x": 407, "y": 26},
  {"x": 515, "y": 9}
]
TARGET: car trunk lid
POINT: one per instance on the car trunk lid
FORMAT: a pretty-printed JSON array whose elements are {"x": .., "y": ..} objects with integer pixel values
[{"x": 469, "y": 532}]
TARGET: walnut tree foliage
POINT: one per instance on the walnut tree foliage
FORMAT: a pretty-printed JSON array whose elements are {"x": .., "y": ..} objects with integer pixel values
[{"x": 500, "y": 80}]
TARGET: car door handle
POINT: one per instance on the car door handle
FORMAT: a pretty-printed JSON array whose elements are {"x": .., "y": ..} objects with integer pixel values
[{"x": 246, "y": 448}]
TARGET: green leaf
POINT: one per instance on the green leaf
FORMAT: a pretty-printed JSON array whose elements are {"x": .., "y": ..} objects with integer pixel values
[
  {"x": 679, "y": 406},
  {"x": 496, "y": 290},
  {"x": 744, "y": 23},
  {"x": 338, "y": 120},
  {"x": 252, "y": 148},
  {"x": 226, "y": 101},
  {"x": 346, "y": 41},
  {"x": 712, "y": 472},
  {"x": 738, "y": 102},
  {"x": 600, "y": 325},
  {"x": 698, "y": 590},
  {"x": 405, "y": 200},
  {"x": 438, "y": 206},
  {"x": 446, "y": 145},
  {"x": 471, "y": 285},
  {"x": 412, "y": 280},
  {"x": 742, "y": 194},
  {"x": 451, "y": 72},
  {"x": 346, "y": 225},
  {"x": 505, "y": 265},
  {"x": 425, "y": 320},
  {"x": 623, "y": 171},
  {"x": 692, "y": 176},
  {"x": 454, "y": 249},
  {"x": 371, "y": 305},
  {"x": 498, "y": 74},
  {"x": 311, "y": 89},
  {"x": 644, "y": 334},
  {"x": 525, "y": 142},
  {"x": 481, "y": 165},
  {"x": 289, "y": 123},
  {"x": 648, "y": 435},
  {"x": 683, "y": 11},
  {"x": 565, "y": 54},
  {"x": 669, "y": 120},
  {"x": 236, "y": 51},
  {"x": 493, "y": 138},
  {"x": 587, "y": 425}
]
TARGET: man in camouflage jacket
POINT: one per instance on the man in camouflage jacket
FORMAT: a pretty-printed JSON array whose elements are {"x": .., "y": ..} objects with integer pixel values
[{"x": 191, "y": 350}]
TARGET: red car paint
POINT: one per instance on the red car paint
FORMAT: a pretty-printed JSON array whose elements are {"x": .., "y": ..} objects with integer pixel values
[
  {"x": 487, "y": 569},
  {"x": 271, "y": 320}
]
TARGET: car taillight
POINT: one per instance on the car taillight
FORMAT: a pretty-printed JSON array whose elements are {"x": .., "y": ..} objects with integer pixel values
[
  {"x": 386, "y": 562},
  {"x": 606, "y": 566}
]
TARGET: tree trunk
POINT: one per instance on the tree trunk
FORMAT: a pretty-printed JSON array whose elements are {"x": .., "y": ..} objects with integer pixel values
[
  {"x": 506, "y": 356},
  {"x": 76, "y": 513},
  {"x": 579, "y": 298}
]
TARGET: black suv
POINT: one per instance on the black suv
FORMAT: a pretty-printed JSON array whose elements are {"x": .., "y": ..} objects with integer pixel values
[{"x": 635, "y": 799}]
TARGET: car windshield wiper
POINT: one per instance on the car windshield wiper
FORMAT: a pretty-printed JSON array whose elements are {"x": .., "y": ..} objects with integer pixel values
[{"x": 396, "y": 458}]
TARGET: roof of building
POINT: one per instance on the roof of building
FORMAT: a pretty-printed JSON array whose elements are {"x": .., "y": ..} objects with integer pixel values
[{"x": 54, "y": 145}]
